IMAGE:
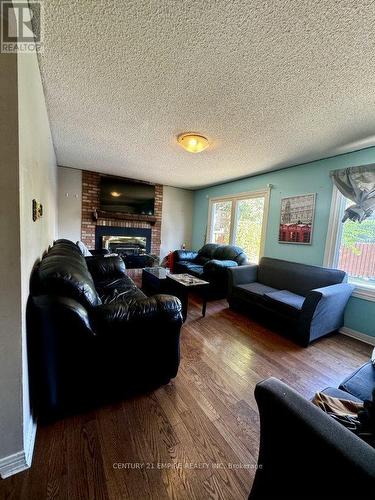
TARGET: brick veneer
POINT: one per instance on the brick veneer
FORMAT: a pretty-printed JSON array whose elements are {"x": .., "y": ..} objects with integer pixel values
[{"x": 90, "y": 202}]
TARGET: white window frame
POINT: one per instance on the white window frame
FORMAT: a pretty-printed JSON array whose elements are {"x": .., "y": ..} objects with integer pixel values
[
  {"x": 265, "y": 193},
  {"x": 334, "y": 239}
]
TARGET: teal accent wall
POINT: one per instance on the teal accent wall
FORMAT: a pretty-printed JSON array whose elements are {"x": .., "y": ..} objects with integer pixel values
[{"x": 307, "y": 178}]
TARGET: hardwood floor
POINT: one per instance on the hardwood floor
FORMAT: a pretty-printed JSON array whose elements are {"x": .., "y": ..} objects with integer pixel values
[{"x": 195, "y": 438}]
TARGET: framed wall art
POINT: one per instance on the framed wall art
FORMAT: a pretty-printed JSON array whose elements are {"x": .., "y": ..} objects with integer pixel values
[{"x": 297, "y": 219}]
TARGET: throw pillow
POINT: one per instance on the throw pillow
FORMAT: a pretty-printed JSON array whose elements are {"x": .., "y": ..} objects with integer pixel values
[{"x": 84, "y": 250}]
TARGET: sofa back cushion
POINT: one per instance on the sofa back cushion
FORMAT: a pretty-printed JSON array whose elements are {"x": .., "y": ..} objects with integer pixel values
[
  {"x": 295, "y": 277},
  {"x": 206, "y": 253},
  {"x": 230, "y": 252},
  {"x": 65, "y": 273}
]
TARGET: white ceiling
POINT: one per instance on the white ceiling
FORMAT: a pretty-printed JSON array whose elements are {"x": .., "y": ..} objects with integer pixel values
[{"x": 271, "y": 83}]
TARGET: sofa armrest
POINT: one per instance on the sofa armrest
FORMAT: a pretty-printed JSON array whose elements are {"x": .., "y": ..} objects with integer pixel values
[
  {"x": 100, "y": 252},
  {"x": 323, "y": 310},
  {"x": 302, "y": 449},
  {"x": 106, "y": 268},
  {"x": 241, "y": 275},
  {"x": 188, "y": 255}
]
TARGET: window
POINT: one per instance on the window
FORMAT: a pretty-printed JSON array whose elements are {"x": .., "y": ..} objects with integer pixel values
[
  {"x": 239, "y": 220},
  {"x": 351, "y": 247}
]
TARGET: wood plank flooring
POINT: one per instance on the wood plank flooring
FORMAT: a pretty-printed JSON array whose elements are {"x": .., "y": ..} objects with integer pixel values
[{"x": 197, "y": 437}]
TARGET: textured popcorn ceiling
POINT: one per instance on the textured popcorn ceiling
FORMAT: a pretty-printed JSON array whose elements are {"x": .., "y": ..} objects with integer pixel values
[{"x": 271, "y": 83}]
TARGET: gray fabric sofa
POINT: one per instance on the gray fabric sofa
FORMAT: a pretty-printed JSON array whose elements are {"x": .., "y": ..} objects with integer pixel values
[
  {"x": 309, "y": 301},
  {"x": 306, "y": 454}
]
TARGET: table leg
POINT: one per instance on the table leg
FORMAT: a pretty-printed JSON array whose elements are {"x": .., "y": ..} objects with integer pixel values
[
  {"x": 184, "y": 297},
  {"x": 204, "y": 306}
]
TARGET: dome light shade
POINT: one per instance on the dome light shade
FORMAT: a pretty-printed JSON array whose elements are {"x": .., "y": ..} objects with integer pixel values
[{"x": 194, "y": 143}]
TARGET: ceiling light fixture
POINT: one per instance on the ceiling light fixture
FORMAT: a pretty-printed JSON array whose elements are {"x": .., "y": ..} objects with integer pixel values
[
  {"x": 194, "y": 143},
  {"x": 115, "y": 194}
]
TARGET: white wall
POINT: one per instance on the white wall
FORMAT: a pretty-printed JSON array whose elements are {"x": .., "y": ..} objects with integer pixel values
[
  {"x": 11, "y": 415},
  {"x": 177, "y": 219},
  {"x": 69, "y": 199},
  {"x": 38, "y": 180},
  {"x": 29, "y": 174}
]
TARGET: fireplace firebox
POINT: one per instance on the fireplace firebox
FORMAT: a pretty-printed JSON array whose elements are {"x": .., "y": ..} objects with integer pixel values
[
  {"x": 132, "y": 244},
  {"x": 125, "y": 245}
]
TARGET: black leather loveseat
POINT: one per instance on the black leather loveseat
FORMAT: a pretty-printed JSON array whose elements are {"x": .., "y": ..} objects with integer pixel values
[
  {"x": 309, "y": 301},
  {"x": 210, "y": 263},
  {"x": 306, "y": 454},
  {"x": 93, "y": 335}
]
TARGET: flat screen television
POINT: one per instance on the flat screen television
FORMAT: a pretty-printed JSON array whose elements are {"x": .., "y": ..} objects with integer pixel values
[{"x": 122, "y": 195}]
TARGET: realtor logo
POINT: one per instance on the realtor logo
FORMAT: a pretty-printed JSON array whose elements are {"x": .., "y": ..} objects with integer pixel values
[{"x": 20, "y": 27}]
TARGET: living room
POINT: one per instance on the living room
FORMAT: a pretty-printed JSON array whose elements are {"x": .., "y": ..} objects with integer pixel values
[{"x": 188, "y": 272}]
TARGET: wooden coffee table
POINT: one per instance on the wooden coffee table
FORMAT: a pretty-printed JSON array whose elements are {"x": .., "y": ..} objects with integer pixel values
[
  {"x": 160, "y": 280},
  {"x": 181, "y": 285}
]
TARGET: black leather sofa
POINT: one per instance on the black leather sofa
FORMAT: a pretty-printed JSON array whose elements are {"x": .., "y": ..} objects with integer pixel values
[
  {"x": 93, "y": 335},
  {"x": 307, "y": 302},
  {"x": 210, "y": 263},
  {"x": 306, "y": 454}
]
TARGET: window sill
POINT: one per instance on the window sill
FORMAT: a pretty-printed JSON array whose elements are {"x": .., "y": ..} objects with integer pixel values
[{"x": 363, "y": 292}]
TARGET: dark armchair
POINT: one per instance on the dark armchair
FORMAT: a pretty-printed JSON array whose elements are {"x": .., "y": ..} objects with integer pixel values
[{"x": 210, "y": 263}]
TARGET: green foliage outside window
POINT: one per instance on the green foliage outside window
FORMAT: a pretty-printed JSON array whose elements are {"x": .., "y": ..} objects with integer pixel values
[{"x": 354, "y": 232}]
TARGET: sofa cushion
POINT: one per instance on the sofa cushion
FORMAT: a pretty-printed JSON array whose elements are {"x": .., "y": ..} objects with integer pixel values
[
  {"x": 184, "y": 255},
  {"x": 201, "y": 260},
  {"x": 213, "y": 266},
  {"x": 183, "y": 263},
  {"x": 106, "y": 268},
  {"x": 295, "y": 277},
  {"x": 286, "y": 298},
  {"x": 360, "y": 383},
  {"x": 119, "y": 290},
  {"x": 194, "y": 269},
  {"x": 253, "y": 290},
  {"x": 338, "y": 393},
  {"x": 68, "y": 277},
  {"x": 230, "y": 252},
  {"x": 208, "y": 250}
]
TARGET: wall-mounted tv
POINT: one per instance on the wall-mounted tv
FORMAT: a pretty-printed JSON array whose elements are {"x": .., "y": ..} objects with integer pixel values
[{"x": 122, "y": 195}]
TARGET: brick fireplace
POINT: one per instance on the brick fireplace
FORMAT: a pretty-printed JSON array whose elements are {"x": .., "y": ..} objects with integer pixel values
[{"x": 91, "y": 206}]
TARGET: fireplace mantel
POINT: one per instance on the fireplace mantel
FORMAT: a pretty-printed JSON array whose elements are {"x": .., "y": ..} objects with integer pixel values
[{"x": 102, "y": 214}]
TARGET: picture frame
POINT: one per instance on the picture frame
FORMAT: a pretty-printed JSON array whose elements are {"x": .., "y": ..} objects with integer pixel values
[{"x": 297, "y": 219}]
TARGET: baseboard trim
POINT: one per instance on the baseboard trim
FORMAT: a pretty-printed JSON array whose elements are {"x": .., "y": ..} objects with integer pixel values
[
  {"x": 20, "y": 461},
  {"x": 30, "y": 441},
  {"x": 368, "y": 339}
]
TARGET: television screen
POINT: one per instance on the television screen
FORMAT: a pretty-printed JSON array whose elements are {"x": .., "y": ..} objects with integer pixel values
[{"x": 131, "y": 197}]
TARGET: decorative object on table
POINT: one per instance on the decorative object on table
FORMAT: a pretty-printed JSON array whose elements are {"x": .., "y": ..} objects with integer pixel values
[
  {"x": 37, "y": 210},
  {"x": 357, "y": 184},
  {"x": 296, "y": 219}
]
